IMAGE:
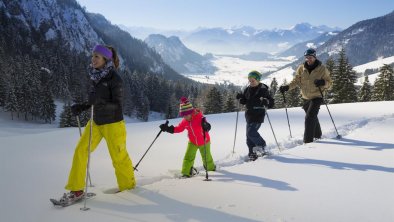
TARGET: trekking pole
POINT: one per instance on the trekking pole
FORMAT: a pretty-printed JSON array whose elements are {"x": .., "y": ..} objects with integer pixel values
[
  {"x": 87, "y": 167},
  {"x": 266, "y": 111},
  {"x": 205, "y": 154},
  {"x": 80, "y": 134},
  {"x": 321, "y": 92},
  {"x": 236, "y": 126},
  {"x": 288, "y": 122},
  {"x": 135, "y": 168}
]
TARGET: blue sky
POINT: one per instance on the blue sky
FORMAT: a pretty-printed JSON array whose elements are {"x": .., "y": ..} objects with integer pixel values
[{"x": 261, "y": 14}]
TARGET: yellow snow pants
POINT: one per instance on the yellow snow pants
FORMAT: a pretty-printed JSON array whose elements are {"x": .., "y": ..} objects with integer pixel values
[{"x": 115, "y": 136}]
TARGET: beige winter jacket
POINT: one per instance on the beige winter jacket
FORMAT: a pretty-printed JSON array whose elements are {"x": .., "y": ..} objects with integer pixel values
[{"x": 305, "y": 81}]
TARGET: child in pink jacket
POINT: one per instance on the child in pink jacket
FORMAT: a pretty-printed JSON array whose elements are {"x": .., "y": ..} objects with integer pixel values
[{"x": 196, "y": 125}]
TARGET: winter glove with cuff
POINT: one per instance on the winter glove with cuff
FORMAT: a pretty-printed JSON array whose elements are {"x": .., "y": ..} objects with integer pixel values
[
  {"x": 239, "y": 96},
  {"x": 265, "y": 102},
  {"x": 284, "y": 89},
  {"x": 165, "y": 128},
  {"x": 77, "y": 109},
  {"x": 205, "y": 125},
  {"x": 319, "y": 82}
]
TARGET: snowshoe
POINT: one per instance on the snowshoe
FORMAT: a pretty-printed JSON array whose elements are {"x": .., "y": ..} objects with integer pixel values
[
  {"x": 193, "y": 172},
  {"x": 260, "y": 151},
  {"x": 71, "y": 198},
  {"x": 253, "y": 156}
]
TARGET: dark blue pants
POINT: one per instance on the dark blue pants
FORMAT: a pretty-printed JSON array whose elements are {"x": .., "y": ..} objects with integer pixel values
[{"x": 253, "y": 137}]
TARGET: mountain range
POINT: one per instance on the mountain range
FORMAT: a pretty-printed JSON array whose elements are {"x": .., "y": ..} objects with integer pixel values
[
  {"x": 239, "y": 40},
  {"x": 365, "y": 41}
]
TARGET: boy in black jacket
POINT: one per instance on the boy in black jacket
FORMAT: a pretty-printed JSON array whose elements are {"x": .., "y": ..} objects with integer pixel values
[{"x": 256, "y": 97}]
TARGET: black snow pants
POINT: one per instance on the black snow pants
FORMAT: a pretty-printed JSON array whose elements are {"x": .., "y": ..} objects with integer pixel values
[{"x": 312, "y": 125}]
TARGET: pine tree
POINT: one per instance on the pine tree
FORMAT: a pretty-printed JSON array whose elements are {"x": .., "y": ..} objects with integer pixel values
[
  {"x": 230, "y": 105},
  {"x": 278, "y": 97},
  {"x": 48, "y": 107},
  {"x": 66, "y": 117},
  {"x": 214, "y": 102},
  {"x": 294, "y": 98},
  {"x": 330, "y": 65},
  {"x": 383, "y": 89},
  {"x": 143, "y": 108},
  {"x": 365, "y": 93},
  {"x": 10, "y": 104},
  {"x": 344, "y": 78},
  {"x": 173, "y": 108}
]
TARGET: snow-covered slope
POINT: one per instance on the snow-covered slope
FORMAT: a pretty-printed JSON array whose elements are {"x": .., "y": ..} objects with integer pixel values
[
  {"x": 330, "y": 180},
  {"x": 235, "y": 71}
]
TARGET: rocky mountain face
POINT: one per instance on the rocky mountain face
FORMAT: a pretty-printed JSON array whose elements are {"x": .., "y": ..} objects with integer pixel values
[
  {"x": 178, "y": 56},
  {"x": 51, "y": 20}
]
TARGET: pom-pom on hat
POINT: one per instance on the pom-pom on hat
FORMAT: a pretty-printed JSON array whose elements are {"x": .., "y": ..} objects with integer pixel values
[
  {"x": 104, "y": 51},
  {"x": 185, "y": 107},
  {"x": 255, "y": 75}
]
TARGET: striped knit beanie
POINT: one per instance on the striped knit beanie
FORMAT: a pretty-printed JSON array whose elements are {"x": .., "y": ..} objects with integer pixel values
[
  {"x": 255, "y": 75},
  {"x": 185, "y": 108}
]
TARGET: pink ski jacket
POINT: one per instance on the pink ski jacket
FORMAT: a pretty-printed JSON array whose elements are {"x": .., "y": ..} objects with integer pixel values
[{"x": 194, "y": 129}]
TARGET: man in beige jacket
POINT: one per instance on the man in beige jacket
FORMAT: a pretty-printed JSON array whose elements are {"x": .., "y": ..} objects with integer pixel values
[{"x": 314, "y": 79}]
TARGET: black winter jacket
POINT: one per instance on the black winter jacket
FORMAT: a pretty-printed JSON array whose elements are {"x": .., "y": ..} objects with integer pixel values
[
  {"x": 252, "y": 98},
  {"x": 108, "y": 107}
]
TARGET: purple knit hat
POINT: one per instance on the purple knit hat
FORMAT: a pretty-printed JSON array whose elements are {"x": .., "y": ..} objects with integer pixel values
[
  {"x": 185, "y": 108},
  {"x": 104, "y": 51}
]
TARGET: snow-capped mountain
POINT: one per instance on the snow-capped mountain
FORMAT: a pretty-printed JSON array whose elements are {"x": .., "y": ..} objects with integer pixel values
[
  {"x": 299, "y": 49},
  {"x": 178, "y": 56},
  {"x": 247, "y": 39},
  {"x": 239, "y": 40},
  {"x": 64, "y": 19},
  {"x": 364, "y": 41},
  {"x": 69, "y": 23}
]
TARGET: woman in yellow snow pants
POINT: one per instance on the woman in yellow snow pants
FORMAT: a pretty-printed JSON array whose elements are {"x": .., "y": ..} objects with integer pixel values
[
  {"x": 115, "y": 136},
  {"x": 106, "y": 98}
]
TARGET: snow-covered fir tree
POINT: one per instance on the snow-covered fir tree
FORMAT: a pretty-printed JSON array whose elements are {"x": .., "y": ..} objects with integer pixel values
[
  {"x": 229, "y": 105},
  {"x": 383, "y": 89},
  {"x": 344, "y": 78},
  {"x": 66, "y": 117},
  {"x": 278, "y": 97},
  {"x": 365, "y": 93},
  {"x": 293, "y": 98},
  {"x": 214, "y": 101},
  {"x": 330, "y": 65}
]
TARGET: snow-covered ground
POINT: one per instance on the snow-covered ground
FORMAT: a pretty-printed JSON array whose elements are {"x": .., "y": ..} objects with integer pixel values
[
  {"x": 235, "y": 70},
  {"x": 351, "y": 179},
  {"x": 377, "y": 64}
]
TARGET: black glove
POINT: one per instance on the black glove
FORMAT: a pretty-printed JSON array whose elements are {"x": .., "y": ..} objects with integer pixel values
[
  {"x": 77, "y": 109},
  {"x": 205, "y": 125},
  {"x": 239, "y": 96},
  {"x": 92, "y": 100},
  {"x": 165, "y": 128},
  {"x": 264, "y": 101},
  {"x": 284, "y": 89},
  {"x": 319, "y": 82}
]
